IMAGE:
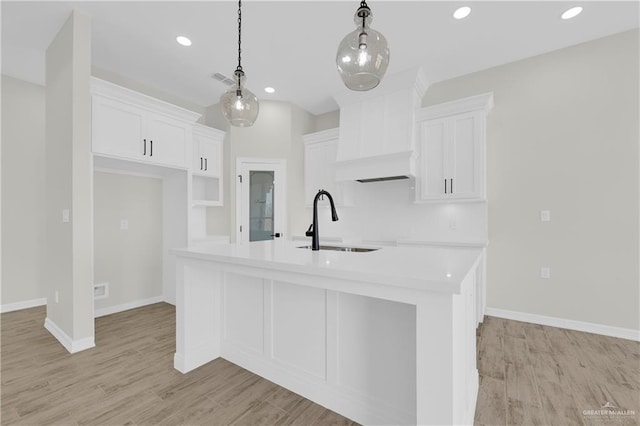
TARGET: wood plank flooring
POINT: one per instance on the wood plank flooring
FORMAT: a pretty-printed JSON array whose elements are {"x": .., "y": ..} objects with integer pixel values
[
  {"x": 129, "y": 379},
  {"x": 529, "y": 374},
  {"x": 537, "y": 375}
]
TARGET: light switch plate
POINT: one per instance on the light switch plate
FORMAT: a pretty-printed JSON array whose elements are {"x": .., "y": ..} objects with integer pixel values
[
  {"x": 66, "y": 216},
  {"x": 124, "y": 224},
  {"x": 545, "y": 215},
  {"x": 545, "y": 272}
]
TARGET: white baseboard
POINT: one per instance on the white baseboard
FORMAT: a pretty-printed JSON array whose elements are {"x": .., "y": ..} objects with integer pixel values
[
  {"x": 16, "y": 306},
  {"x": 606, "y": 330},
  {"x": 126, "y": 306},
  {"x": 72, "y": 346}
]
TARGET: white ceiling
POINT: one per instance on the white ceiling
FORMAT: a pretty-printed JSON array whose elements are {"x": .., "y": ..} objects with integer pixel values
[{"x": 291, "y": 45}]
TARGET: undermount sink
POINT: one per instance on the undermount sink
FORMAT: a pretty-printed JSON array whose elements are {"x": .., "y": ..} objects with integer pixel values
[{"x": 339, "y": 248}]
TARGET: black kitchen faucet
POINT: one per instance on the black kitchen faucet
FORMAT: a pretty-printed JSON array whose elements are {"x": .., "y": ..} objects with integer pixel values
[{"x": 313, "y": 228}]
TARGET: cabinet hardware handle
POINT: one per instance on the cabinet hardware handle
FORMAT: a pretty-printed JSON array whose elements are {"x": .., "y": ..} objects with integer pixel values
[
  {"x": 451, "y": 185},
  {"x": 200, "y": 163},
  {"x": 145, "y": 147},
  {"x": 205, "y": 165},
  {"x": 151, "y": 150},
  {"x": 445, "y": 186}
]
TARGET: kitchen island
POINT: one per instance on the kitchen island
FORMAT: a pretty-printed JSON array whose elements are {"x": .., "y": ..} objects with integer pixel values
[{"x": 382, "y": 337}]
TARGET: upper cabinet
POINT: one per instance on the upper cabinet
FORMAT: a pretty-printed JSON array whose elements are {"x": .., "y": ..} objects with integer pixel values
[
  {"x": 207, "y": 150},
  {"x": 320, "y": 153},
  {"x": 132, "y": 126},
  {"x": 207, "y": 167},
  {"x": 452, "y": 150}
]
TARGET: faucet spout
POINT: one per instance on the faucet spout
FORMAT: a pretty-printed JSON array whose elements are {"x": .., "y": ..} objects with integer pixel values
[{"x": 315, "y": 242}]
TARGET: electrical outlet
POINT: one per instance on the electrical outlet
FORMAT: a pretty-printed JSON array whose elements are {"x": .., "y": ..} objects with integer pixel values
[
  {"x": 66, "y": 216},
  {"x": 124, "y": 224},
  {"x": 545, "y": 215},
  {"x": 545, "y": 272}
]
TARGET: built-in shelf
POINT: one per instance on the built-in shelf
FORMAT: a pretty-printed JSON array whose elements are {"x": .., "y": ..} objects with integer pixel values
[{"x": 206, "y": 191}]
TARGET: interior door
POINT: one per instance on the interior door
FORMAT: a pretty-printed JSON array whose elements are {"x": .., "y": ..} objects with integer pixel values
[{"x": 260, "y": 201}]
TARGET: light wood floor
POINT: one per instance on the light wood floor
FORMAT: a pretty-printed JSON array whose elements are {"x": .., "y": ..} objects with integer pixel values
[
  {"x": 529, "y": 375},
  {"x": 536, "y": 375}
]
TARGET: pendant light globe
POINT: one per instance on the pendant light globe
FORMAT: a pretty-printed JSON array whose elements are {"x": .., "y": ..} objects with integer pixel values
[
  {"x": 363, "y": 55},
  {"x": 239, "y": 105}
]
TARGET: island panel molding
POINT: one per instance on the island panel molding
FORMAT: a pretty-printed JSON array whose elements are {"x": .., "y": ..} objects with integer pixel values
[{"x": 399, "y": 349}]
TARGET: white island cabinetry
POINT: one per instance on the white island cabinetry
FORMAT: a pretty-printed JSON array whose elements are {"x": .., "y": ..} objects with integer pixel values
[{"x": 375, "y": 343}]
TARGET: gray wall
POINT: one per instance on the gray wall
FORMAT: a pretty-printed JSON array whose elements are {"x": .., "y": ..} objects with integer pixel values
[
  {"x": 69, "y": 246},
  {"x": 277, "y": 133},
  {"x": 563, "y": 136},
  {"x": 23, "y": 190},
  {"x": 129, "y": 260}
]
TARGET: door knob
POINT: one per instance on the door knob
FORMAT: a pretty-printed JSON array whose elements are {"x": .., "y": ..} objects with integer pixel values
[{"x": 277, "y": 235}]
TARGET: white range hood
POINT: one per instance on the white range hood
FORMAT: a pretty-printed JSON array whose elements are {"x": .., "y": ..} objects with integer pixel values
[{"x": 377, "y": 129}]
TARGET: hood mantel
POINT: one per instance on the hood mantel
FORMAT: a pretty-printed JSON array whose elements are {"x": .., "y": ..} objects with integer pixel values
[{"x": 377, "y": 129}]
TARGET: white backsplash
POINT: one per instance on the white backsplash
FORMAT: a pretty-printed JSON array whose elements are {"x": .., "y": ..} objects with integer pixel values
[{"x": 385, "y": 211}]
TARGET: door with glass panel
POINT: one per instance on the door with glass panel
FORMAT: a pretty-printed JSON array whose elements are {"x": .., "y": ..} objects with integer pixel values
[{"x": 260, "y": 199}]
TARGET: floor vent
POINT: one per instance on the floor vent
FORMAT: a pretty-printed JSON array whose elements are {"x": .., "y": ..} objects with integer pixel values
[{"x": 100, "y": 291}]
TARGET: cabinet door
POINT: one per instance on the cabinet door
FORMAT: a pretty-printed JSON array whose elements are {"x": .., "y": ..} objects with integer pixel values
[
  {"x": 465, "y": 156},
  {"x": 117, "y": 129},
  {"x": 211, "y": 153},
  {"x": 434, "y": 135},
  {"x": 168, "y": 141}
]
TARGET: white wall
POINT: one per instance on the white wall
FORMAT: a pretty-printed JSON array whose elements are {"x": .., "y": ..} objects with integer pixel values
[
  {"x": 23, "y": 190},
  {"x": 563, "y": 136},
  {"x": 129, "y": 260},
  {"x": 69, "y": 246}
]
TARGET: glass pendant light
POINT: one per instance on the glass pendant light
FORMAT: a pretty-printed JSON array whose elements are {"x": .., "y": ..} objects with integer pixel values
[
  {"x": 239, "y": 105},
  {"x": 363, "y": 55}
]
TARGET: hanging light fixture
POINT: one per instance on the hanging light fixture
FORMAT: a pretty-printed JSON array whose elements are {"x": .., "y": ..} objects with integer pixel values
[
  {"x": 238, "y": 104},
  {"x": 363, "y": 55}
]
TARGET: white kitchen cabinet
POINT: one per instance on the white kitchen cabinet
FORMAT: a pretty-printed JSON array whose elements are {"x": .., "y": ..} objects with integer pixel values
[
  {"x": 207, "y": 151},
  {"x": 207, "y": 167},
  {"x": 320, "y": 153},
  {"x": 452, "y": 150},
  {"x": 132, "y": 126}
]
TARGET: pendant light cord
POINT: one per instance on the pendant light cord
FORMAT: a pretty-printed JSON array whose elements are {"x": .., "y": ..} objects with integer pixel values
[
  {"x": 239, "y": 68},
  {"x": 363, "y": 11}
]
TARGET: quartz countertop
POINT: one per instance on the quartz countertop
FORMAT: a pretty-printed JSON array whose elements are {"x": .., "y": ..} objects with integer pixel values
[{"x": 438, "y": 269}]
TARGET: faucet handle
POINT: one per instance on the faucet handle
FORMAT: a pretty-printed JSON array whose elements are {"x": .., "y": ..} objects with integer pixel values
[{"x": 309, "y": 232}]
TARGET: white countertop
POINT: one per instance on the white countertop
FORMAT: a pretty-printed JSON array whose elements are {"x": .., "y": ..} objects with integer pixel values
[{"x": 423, "y": 268}]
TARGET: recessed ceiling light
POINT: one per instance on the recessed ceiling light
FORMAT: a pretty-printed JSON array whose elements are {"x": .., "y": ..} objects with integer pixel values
[
  {"x": 571, "y": 13},
  {"x": 269, "y": 89},
  {"x": 183, "y": 41},
  {"x": 462, "y": 12}
]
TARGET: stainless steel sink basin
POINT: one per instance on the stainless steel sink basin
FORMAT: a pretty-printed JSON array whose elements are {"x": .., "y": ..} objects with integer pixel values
[{"x": 339, "y": 248}]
